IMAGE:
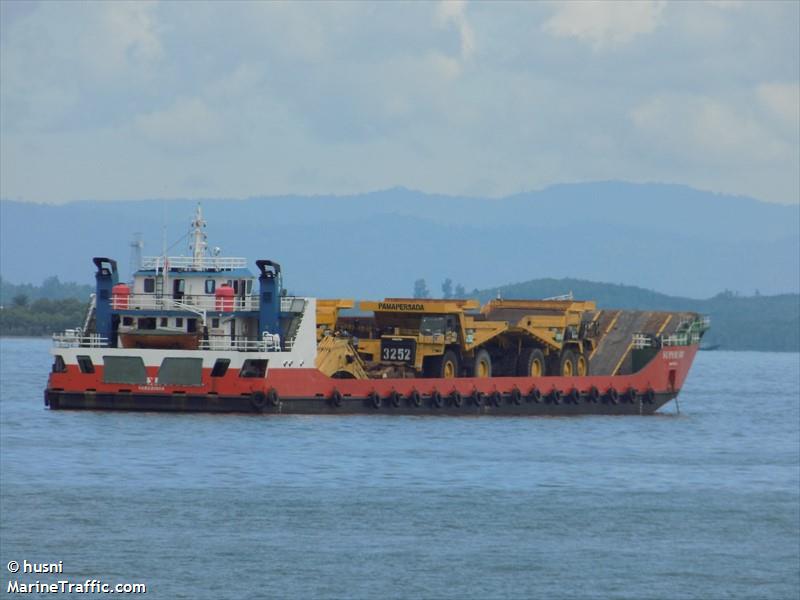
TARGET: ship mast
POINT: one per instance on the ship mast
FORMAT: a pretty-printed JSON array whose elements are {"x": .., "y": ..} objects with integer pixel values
[{"x": 198, "y": 238}]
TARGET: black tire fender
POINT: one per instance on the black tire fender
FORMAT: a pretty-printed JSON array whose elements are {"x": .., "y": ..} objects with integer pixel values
[
  {"x": 555, "y": 396},
  {"x": 612, "y": 395},
  {"x": 535, "y": 394},
  {"x": 516, "y": 396},
  {"x": 395, "y": 398},
  {"x": 437, "y": 399},
  {"x": 456, "y": 398},
  {"x": 259, "y": 400},
  {"x": 415, "y": 398},
  {"x": 593, "y": 395},
  {"x": 272, "y": 396},
  {"x": 375, "y": 399},
  {"x": 650, "y": 396},
  {"x": 477, "y": 398},
  {"x": 336, "y": 398},
  {"x": 497, "y": 398},
  {"x": 631, "y": 395},
  {"x": 574, "y": 396}
]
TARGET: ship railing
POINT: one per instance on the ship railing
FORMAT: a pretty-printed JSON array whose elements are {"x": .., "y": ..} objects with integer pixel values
[
  {"x": 292, "y": 304},
  {"x": 206, "y": 263},
  {"x": 90, "y": 311},
  {"x": 191, "y": 303},
  {"x": 685, "y": 338},
  {"x": 76, "y": 338},
  {"x": 645, "y": 340},
  {"x": 268, "y": 343},
  {"x": 297, "y": 308},
  {"x": 192, "y": 309}
]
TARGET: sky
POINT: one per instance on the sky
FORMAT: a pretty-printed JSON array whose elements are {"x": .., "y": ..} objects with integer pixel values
[{"x": 116, "y": 100}]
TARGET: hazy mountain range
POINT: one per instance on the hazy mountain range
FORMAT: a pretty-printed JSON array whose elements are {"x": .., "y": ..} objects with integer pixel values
[{"x": 669, "y": 238}]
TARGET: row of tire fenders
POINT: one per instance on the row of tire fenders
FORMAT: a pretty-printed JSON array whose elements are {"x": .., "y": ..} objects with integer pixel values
[{"x": 477, "y": 398}]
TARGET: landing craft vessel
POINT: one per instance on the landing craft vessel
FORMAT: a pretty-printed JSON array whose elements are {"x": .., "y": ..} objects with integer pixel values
[{"x": 202, "y": 333}]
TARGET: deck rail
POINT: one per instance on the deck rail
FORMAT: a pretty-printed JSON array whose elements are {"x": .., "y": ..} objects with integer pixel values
[
  {"x": 76, "y": 338},
  {"x": 214, "y": 263},
  {"x": 186, "y": 303}
]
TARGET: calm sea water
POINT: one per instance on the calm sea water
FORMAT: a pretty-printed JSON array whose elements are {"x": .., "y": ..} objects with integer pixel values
[{"x": 703, "y": 505}]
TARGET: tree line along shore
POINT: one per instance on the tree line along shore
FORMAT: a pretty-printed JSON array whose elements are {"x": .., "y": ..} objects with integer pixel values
[{"x": 755, "y": 322}]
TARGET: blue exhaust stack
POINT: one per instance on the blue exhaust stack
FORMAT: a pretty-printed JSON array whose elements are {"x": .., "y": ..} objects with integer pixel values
[
  {"x": 269, "y": 305},
  {"x": 106, "y": 277}
]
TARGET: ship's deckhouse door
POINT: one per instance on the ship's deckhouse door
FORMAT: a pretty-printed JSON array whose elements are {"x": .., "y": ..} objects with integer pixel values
[{"x": 177, "y": 288}]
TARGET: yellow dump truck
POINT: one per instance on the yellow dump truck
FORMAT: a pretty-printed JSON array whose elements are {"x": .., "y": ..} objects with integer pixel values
[{"x": 454, "y": 338}]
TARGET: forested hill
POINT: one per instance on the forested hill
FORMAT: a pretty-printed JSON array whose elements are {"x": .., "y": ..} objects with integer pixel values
[
  {"x": 662, "y": 237},
  {"x": 766, "y": 323}
]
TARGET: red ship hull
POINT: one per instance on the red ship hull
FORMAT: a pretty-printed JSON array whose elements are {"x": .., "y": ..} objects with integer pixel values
[{"x": 307, "y": 391}]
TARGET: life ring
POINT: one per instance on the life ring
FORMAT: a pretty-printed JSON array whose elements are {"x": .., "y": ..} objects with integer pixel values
[
  {"x": 437, "y": 399},
  {"x": 631, "y": 394},
  {"x": 574, "y": 396},
  {"x": 593, "y": 395},
  {"x": 516, "y": 396},
  {"x": 650, "y": 395},
  {"x": 554, "y": 397},
  {"x": 336, "y": 398},
  {"x": 395, "y": 398},
  {"x": 497, "y": 398},
  {"x": 258, "y": 400},
  {"x": 375, "y": 399},
  {"x": 272, "y": 396},
  {"x": 457, "y": 398},
  {"x": 535, "y": 394},
  {"x": 415, "y": 398},
  {"x": 612, "y": 395}
]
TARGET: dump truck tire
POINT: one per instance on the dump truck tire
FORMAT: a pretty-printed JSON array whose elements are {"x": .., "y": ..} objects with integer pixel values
[
  {"x": 482, "y": 367},
  {"x": 582, "y": 364},
  {"x": 450, "y": 365},
  {"x": 531, "y": 363},
  {"x": 566, "y": 367},
  {"x": 445, "y": 366}
]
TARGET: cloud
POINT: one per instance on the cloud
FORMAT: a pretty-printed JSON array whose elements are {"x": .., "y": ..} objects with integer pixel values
[
  {"x": 121, "y": 35},
  {"x": 447, "y": 97},
  {"x": 454, "y": 12},
  {"x": 187, "y": 124},
  {"x": 604, "y": 23},
  {"x": 783, "y": 100},
  {"x": 701, "y": 128}
]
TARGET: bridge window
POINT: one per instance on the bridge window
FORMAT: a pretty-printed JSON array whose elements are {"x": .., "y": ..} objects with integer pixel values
[
  {"x": 149, "y": 285},
  {"x": 147, "y": 323},
  {"x": 127, "y": 321},
  {"x": 163, "y": 321},
  {"x": 85, "y": 364},
  {"x": 211, "y": 285},
  {"x": 220, "y": 367},
  {"x": 215, "y": 322},
  {"x": 249, "y": 286},
  {"x": 181, "y": 371},
  {"x": 179, "y": 322},
  {"x": 124, "y": 369},
  {"x": 254, "y": 367},
  {"x": 191, "y": 325},
  {"x": 58, "y": 364}
]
